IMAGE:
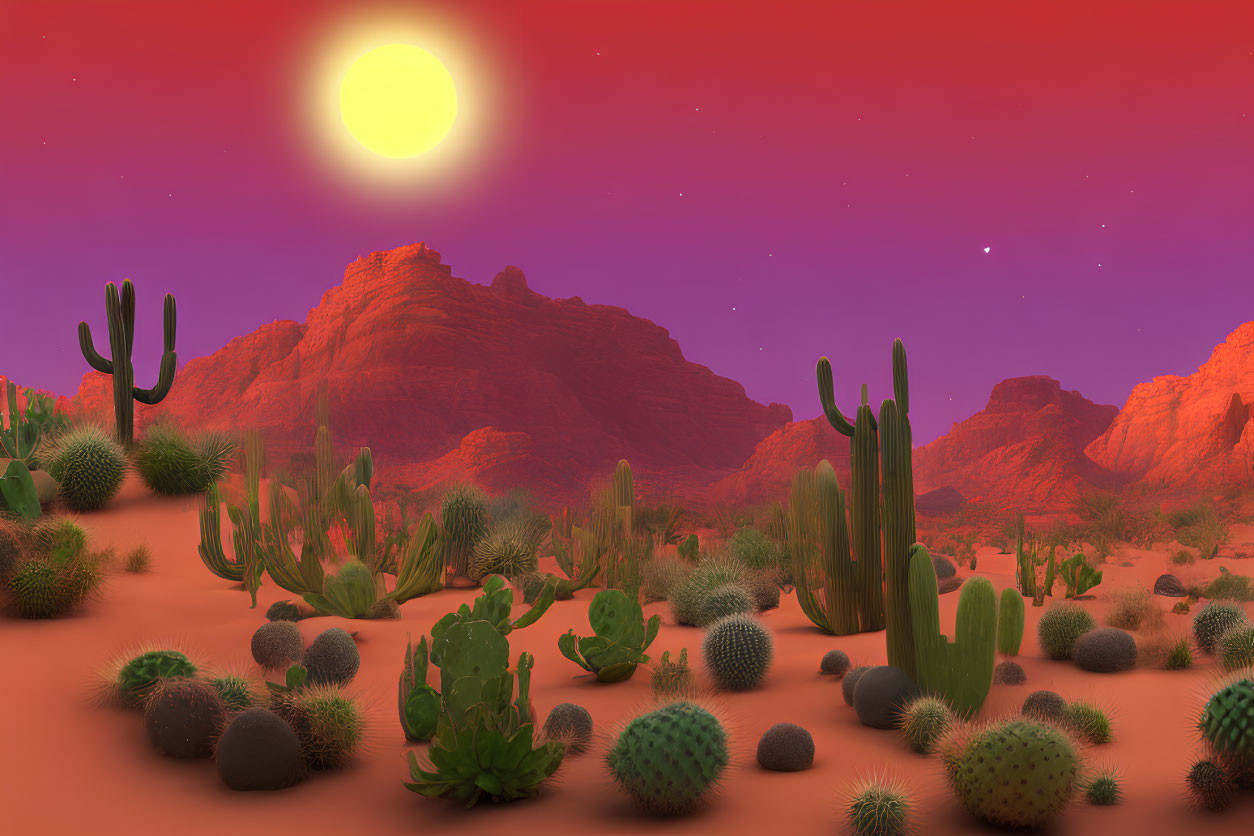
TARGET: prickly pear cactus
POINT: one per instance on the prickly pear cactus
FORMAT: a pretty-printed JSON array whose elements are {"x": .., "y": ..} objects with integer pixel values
[
  {"x": 621, "y": 637},
  {"x": 1014, "y": 774},
  {"x": 668, "y": 759}
]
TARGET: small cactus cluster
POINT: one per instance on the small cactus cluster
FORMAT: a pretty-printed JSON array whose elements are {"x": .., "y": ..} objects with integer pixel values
[
  {"x": 1061, "y": 626},
  {"x": 672, "y": 679},
  {"x": 737, "y": 652},
  {"x": 45, "y": 569},
  {"x": 669, "y": 759}
]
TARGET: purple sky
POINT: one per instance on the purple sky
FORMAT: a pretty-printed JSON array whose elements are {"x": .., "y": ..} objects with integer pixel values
[{"x": 768, "y": 186}]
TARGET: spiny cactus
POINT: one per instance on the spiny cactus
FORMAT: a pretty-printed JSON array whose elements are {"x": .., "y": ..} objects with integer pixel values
[
  {"x": 463, "y": 523},
  {"x": 1010, "y": 623},
  {"x": 879, "y": 809},
  {"x": 89, "y": 466},
  {"x": 672, "y": 679},
  {"x": 1044, "y": 705},
  {"x": 143, "y": 672},
  {"x": 1089, "y": 722},
  {"x": 924, "y": 722},
  {"x": 120, "y": 310},
  {"x": 1015, "y": 773},
  {"x": 621, "y": 639},
  {"x": 689, "y": 594},
  {"x": 1060, "y": 626},
  {"x": 277, "y": 644},
  {"x": 1209, "y": 785},
  {"x": 1213, "y": 620},
  {"x": 183, "y": 718},
  {"x": 668, "y": 760},
  {"x": 1227, "y": 724},
  {"x": 172, "y": 464},
  {"x": 44, "y": 587},
  {"x": 1180, "y": 656},
  {"x": 1104, "y": 789},
  {"x": 722, "y": 602},
  {"x": 236, "y": 692},
  {"x": 737, "y": 652},
  {"x": 259, "y": 751},
  {"x": 1078, "y": 575},
  {"x": 1236, "y": 647},
  {"x": 786, "y": 747},
  {"x": 572, "y": 725},
  {"x": 510, "y": 548},
  {"x": 328, "y": 723},
  {"x": 834, "y": 663},
  {"x": 332, "y": 658}
]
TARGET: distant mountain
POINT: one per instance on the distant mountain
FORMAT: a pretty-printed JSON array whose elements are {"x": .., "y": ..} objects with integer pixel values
[
  {"x": 1188, "y": 432},
  {"x": 446, "y": 380}
]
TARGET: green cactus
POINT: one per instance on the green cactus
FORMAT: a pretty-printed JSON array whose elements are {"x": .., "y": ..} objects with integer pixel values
[
  {"x": 621, "y": 639},
  {"x": 1061, "y": 625},
  {"x": 1078, "y": 575},
  {"x": 879, "y": 809},
  {"x": 924, "y": 722},
  {"x": 1227, "y": 724},
  {"x": 672, "y": 679},
  {"x": 246, "y": 565},
  {"x": 17, "y": 491},
  {"x": 510, "y": 548},
  {"x": 668, "y": 759},
  {"x": 578, "y": 552},
  {"x": 120, "y": 310},
  {"x": 1214, "y": 620},
  {"x": 49, "y": 587},
  {"x": 738, "y": 651},
  {"x": 418, "y": 702},
  {"x": 137, "y": 677},
  {"x": 1209, "y": 785},
  {"x": 89, "y": 465},
  {"x": 961, "y": 671},
  {"x": 1010, "y": 623},
  {"x": 25, "y": 432},
  {"x": 463, "y": 522},
  {"x": 1014, "y": 774},
  {"x": 494, "y": 605}
]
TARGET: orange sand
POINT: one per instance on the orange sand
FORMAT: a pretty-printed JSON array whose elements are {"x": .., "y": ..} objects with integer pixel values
[{"x": 69, "y": 766}]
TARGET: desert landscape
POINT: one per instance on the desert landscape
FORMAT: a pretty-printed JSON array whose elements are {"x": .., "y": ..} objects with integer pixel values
[{"x": 620, "y": 417}]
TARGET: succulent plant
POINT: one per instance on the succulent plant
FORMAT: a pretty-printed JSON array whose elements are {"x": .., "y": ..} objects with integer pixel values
[
  {"x": 332, "y": 658},
  {"x": 1010, "y": 617},
  {"x": 622, "y": 637},
  {"x": 1104, "y": 789},
  {"x": 1209, "y": 785},
  {"x": 259, "y": 751},
  {"x": 418, "y": 702},
  {"x": 45, "y": 587},
  {"x": 463, "y": 523},
  {"x": 1015, "y": 774},
  {"x": 1045, "y": 706},
  {"x": 668, "y": 759},
  {"x": 284, "y": 611},
  {"x": 688, "y": 596},
  {"x": 183, "y": 718},
  {"x": 277, "y": 644},
  {"x": 1227, "y": 724},
  {"x": 1078, "y": 575},
  {"x": 140, "y": 674},
  {"x": 786, "y": 747},
  {"x": 510, "y": 548},
  {"x": 1236, "y": 647},
  {"x": 1105, "y": 650},
  {"x": 1009, "y": 673},
  {"x": 672, "y": 679},
  {"x": 1089, "y": 722},
  {"x": 924, "y": 721},
  {"x": 737, "y": 652},
  {"x": 834, "y": 663},
  {"x": 236, "y": 692},
  {"x": 1213, "y": 620},
  {"x": 572, "y": 725},
  {"x": 89, "y": 466},
  {"x": 877, "y": 808},
  {"x": 328, "y": 723},
  {"x": 724, "y": 601},
  {"x": 1060, "y": 626}
]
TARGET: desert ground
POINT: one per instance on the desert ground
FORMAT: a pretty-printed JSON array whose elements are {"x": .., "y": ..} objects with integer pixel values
[{"x": 58, "y": 737}]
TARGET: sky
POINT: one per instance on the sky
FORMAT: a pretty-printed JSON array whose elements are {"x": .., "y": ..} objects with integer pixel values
[{"x": 1060, "y": 188}]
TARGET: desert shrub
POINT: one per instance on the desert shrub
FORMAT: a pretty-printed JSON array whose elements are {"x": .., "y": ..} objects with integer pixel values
[
  {"x": 138, "y": 560},
  {"x": 879, "y": 809},
  {"x": 660, "y": 575},
  {"x": 171, "y": 463},
  {"x": 1199, "y": 526},
  {"x": 510, "y": 548},
  {"x": 1180, "y": 656},
  {"x": 671, "y": 678},
  {"x": 660, "y": 523},
  {"x": 1133, "y": 609},
  {"x": 1183, "y": 557},
  {"x": 1229, "y": 587},
  {"x": 737, "y": 652},
  {"x": 1213, "y": 620},
  {"x": 89, "y": 465},
  {"x": 756, "y": 551},
  {"x": 1089, "y": 722},
  {"x": 1060, "y": 627},
  {"x": 515, "y": 505},
  {"x": 60, "y": 537}
]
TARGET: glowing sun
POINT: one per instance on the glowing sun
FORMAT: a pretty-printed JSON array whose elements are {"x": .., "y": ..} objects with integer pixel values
[{"x": 398, "y": 100}]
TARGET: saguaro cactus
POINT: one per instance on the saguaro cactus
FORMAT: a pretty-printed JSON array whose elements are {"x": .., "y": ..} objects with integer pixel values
[
  {"x": 961, "y": 671},
  {"x": 818, "y": 540},
  {"x": 120, "y": 309}
]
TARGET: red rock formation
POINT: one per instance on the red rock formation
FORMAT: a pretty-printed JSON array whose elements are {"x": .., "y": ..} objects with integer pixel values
[
  {"x": 767, "y": 474},
  {"x": 1025, "y": 448},
  {"x": 1194, "y": 431},
  {"x": 418, "y": 363}
]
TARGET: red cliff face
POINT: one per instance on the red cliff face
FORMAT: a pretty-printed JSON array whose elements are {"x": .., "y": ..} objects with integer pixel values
[
  {"x": 1025, "y": 448},
  {"x": 1190, "y": 432},
  {"x": 417, "y": 363},
  {"x": 767, "y": 475}
]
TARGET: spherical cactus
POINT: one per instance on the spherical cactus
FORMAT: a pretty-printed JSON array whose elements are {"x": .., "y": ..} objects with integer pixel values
[
  {"x": 11, "y": 548},
  {"x": 328, "y": 724},
  {"x": 1060, "y": 626},
  {"x": 668, "y": 759},
  {"x": 1209, "y": 786},
  {"x": 1009, "y": 673},
  {"x": 61, "y": 538},
  {"x": 183, "y": 717},
  {"x": 571, "y": 724},
  {"x": 878, "y": 809},
  {"x": 284, "y": 611},
  {"x": 89, "y": 465},
  {"x": 509, "y": 548},
  {"x": 737, "y": 651},
  {"x": 1089, "y": 722},
  {"x": 786, "y": 747},
  {"x": 332, "y": 658},
  {"x": 724, "y": 601},
  {"x": 711, "y": 573},
  {"x": 1236, "y": 647},
  {"x": 850, "y": 683},
  {"x": 1213, "y": 620},
  {"x": 1104, "y": 789},
  {"x": 43, "y": 587},
  {"x": 1227, "y": 723},
  {"x": 1014, "y": 774},
  {"x": 834, "y": 663},
  {"x": 880, "y": 696},
  {"x": 924, "y": 722},
  {"x": 259, "y": 751},
  {"x": 1105, "y": 650},
  {"x": 139, "y": 675},
  {"x": 172, "y": 464},
  {"x": 277, "y": 644},
  {"x": 236, "y": 692},
  {"x": 1046, "y": 706}
]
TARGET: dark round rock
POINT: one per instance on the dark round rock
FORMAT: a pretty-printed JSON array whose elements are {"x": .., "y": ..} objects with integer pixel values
[
  {"x": 881, "y": 694},
  {"x": 834, "y": 663},
  {"x": 850, "y": 682},
  {"x": 1009, "y": 673},
  {"x": 1105, "y": 650},
  {"x": 259, "y": 751},
  {"x": 944, "y": 567},
  {"x": 1044, "y": 705},
  {"x": 1170, "y": 586},
  {"x": 183, "y": 717},
  {"x": 786, "y": 747}
]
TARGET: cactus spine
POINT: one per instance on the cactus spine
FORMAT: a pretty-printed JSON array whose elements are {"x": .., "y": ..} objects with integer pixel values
[
  {"x": 120, "y": 308},
  {"x": 960, "y": 671}
]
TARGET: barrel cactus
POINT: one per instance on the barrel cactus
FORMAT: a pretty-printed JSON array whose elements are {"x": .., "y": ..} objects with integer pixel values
[
  {"x": 924, "y": 722},
  {"x": 1236, "y": 647},
  {"x": 1227, "y": 724},
  {"x": 89, "y": 465},
  {"x": 572, "y": 725},
  {"x": 1213, "y": 620},
  {"x": 737, "y": 652},
  {"x": 328, "y": 723},
  {"x": 1060, "y": 627},
  {"x": 879, "y": 809},
  {"x": 669, "y": 759},
  {"x": 139, "y": 675},
  {"x": 45, "y": 587},
  {"x": 1209, "y": 785},
  {"x": 1015, "y": 773},
  {"x": 690, "y": 593},
  {"x": 724, "y": 601}
]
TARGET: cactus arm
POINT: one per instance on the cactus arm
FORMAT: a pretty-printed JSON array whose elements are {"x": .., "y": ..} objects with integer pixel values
[
  {"x": 827, "y": 397},
  {"x": 165, "y": 379},
  {"x": 543, "y": 601},
  {"x": 651, "y": 631},
  {"x": 93, "y": 357},
  {"x": 901, "y": 383},
  {"x": 567, "y": 643},
  {"x": 1010, "y": 622},
  {"x": 210, "y": 549}
]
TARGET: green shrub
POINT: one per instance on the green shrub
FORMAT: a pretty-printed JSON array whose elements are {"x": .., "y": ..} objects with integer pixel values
[
  {"x": 879, "y": 809},
  {"x": 139, "y": 675},
  {"x": 237, "y": 692},
  {"x": 1183, "y": 557},
  {"x": 1180, "y": 656},
  {"x": 172, "y": 464},
  {"x": 1230, "y": 587},
  {"x": 668, "y": 759},
  {"x": 1060, "y": 626},
  {"x": 89, "y": 465},
  {"x": 756, "y": 551},
  {"x": 138, "y": 560},
  {"x": 60, "y": 537},
  {"x": 1104, "y": 789},
  {"x": 1089, "y": 722}
]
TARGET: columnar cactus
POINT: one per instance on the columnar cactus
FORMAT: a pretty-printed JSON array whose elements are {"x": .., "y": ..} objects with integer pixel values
[
  {"x": 1010, "y": 623},
  {"x": 120, "y": 308},
  {"x": 960, "y": 671}
]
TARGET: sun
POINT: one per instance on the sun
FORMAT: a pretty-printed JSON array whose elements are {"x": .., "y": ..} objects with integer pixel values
[{"x": 398, "y": 100}]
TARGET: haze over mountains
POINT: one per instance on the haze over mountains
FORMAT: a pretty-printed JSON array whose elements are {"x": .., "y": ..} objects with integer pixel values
[{"x": 447, "y": 380}]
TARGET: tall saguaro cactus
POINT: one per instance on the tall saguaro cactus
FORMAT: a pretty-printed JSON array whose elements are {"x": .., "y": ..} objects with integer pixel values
[{"x": 120, "y": 309}]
